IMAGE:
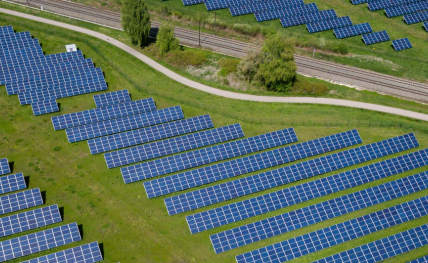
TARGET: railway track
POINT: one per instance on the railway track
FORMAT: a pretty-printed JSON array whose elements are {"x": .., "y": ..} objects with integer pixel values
[{"x": 336, "y": 72}]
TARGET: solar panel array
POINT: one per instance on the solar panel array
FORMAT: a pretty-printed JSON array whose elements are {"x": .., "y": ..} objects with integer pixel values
[
  {"x": 382, "y": 4},
  {"x": 383, "y": 248},
  {"x": 260, "y": 6},
  {"x": 87, "y": 253},
  {"x": 406, "y": 9},
  {"x": 111, "y": 98},
  {"x": 21, "y": 200},
  {"x": 338, "y": 234},
  {"x": 307, "y": 18},
  {"x": 416, "y": 17},
  {"x": 127, "y": 123},
  {"x": 6, "y": 30},
  {"x": 101, "y": 114},
  {"x": 285, "y": 12},
  {"x": 375, "y": 37},
  {"x": 39, "y": 241},
  {"x": 29, "y": 220},
  {"x": 401, "y": 44},
  {"x": 290, "y": 196},
  {"x": 181, "y": 161},
  {"x": 425, "y": 25},
  {"x": 354, "y": 30},
  {"x": 420, "y": 260},
  {"x": 149, "y": 134},
  {"x": 248, "y": 164},
  {"x": 329, "y": 24},
  {"x": 11, "y": 183},
  {"x": 316, "y": 213},
  {"x": 357, "y": 2},
  {"x": 193, "y": 141},
  {"x": 216, "y": 4},
  {"x": 44, "y": 107},
  {"x": 4, "y": 166},
  {"x": 192, "y": 2}
]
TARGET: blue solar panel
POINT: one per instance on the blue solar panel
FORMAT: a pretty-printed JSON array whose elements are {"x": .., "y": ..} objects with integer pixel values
[
  {"x": 307, "y": 18},
  {"x": 12, "y": 35},
  {"x": 416, "y": 17},
  {"x": 8, "y": 47},
  {"x": 20, "y": 42},
  {"x": 39, "y": 241},
  {"x": 29, "y": 220},
  {"x": 400, "y": 44},
  {"x": 425, "y": 25},
  {"x": 192, "y": 2},
  {"x": 197, "y": 140},
  {"x": 420, "y": 260},
  {"x": 44, "y": 107},
  {"x": 382, "y": 4},
  {"x": 158, "y": 132},
  {"x": 181, "y": 161},
  {"x": 29, "y": 73},
  {"x": 30, "y": 55},
  {"x": 35, "y": 95},
  {"x": 57, "y": 79},
  {"x": 21, "y": 200},
  {"x": 375, "y": 37},
  {"x": 216, "y": 4},
  {"x": 112, "y": 98},
  {"x": 283, "y": 223},
  {"x": 248, "y": 164},
  {"x": 252, "y": 184},
  {"x": 383, "y": 248},
  {"x": 82, "y": 254},
  {"x": 406, "y": 9},
  {"x": 357, "y": 2},
  {"x": 260, "y": 6},
  {"x": 11, "y": 183},
  {"x": 101, "y": 114},
  {"x": 40, "y": 61},
  {"x": 6, "y": 30},
  {"x": 339, "y": 233},
  {"x": 294, "y": 195},
  {"x": 351, "y": 31},
  {"x": 127, "y": 123},
  {"x": 4, "y": 166},
  {"x": 285, "y": 12},
  {"x": 329, "y": 24},
  {"x": 16, "y": 51}
]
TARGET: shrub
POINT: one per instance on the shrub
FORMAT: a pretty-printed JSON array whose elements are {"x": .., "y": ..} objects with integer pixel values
[
  {"x": 246, "y": 29},
  {"x": 164, "y": 10},
  {"x": 177, "y": 14},
  {"x": 136, "y": 20},
  {"x": 228, "y": 65},
  {"x": 305, "y": 87},
  {"x": 165, "y": 40},
  {"x": 186, "y": 58}
]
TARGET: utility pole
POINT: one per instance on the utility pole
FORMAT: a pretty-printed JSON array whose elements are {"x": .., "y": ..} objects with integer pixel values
[
  {"x": 215, "y": 22},
  {"x": 199, "y": 33}
]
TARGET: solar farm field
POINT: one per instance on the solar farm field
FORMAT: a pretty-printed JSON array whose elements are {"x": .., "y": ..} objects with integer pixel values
[{"x": 134, "y": 228}]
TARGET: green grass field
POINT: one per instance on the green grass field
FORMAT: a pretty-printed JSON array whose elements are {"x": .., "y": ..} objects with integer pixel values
[{"x": 131, "y": 227}]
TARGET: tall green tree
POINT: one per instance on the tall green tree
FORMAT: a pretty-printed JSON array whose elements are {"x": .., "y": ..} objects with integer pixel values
[
  {"x": 165, "y": 40},
  {"x": 136, "y": 20}
]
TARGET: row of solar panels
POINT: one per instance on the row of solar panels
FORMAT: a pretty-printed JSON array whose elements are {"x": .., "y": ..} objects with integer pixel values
[
  {"x": 33, "y": 219},
  {"x": 38, "y": 79}
]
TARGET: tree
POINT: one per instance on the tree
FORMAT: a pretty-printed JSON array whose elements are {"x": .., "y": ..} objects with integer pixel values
[
  {"x": 136, "y": 20},
  {"x": 165, "y": 40}
]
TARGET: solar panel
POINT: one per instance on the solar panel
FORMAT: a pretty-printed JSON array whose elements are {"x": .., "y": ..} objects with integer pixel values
[
  {"x": 216, "y": 4},
  {"x": 4, "y": 166},
  {"x": 283, "y": 223},
  {"x": 32, "y": 54},
  {"x": 111, "y": 98},
  {"x": 198, "y": 140},
  {"x": 425, "y": 25},
  {"x": 21, "y": 200},
  {"x": 307, "y": 18},
  {"x": 101, "y": 114},
  {"x": 382, "y": 4},
  {"x": 416, "y": 17},
  {"x": 420, "y": 260},
  {"x": 127, "y": 123},
  {"x": 351, "y": 31},
  {"x": 181, "y": 161},
  {"x": 149, "y": 134},
  {"x": 383, "y": 248},
  {"x": 357, "y": 2},
  {"x": 400, "y": 44},
  {"x": 23, "y": 74},
  {"x": 255, "y": 183},
  {"x": 11, "y": 183},
  {"x": 27, "y": 41},
  {"x": 406, "y": 9},
  {"x": 285, "y": 12},
  {"x": 58, "y": 79},
  {"x": 260, "y": 6},
  {"x": 247, "y": 164},
  {"x": 82, "y": 254},
  {"x": 14, "y": 51},
  {"x": 375, "y": 37},
  {"x": 44, "y": 107},
  {"x": 294, "y": 195},
  {"x": 39, "y": 241},
  {"x": 339, "y": 233},
  {"x": 35, "y": 95},
  {"x": 12, "y": 35},
  {"x": 29, "y": 220},
  {"x": 192, "y": 2},
  {"x": 6, "y": 30},
  {"x": 7, "y": 47},
  {"x": 329, "y": 24}
]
